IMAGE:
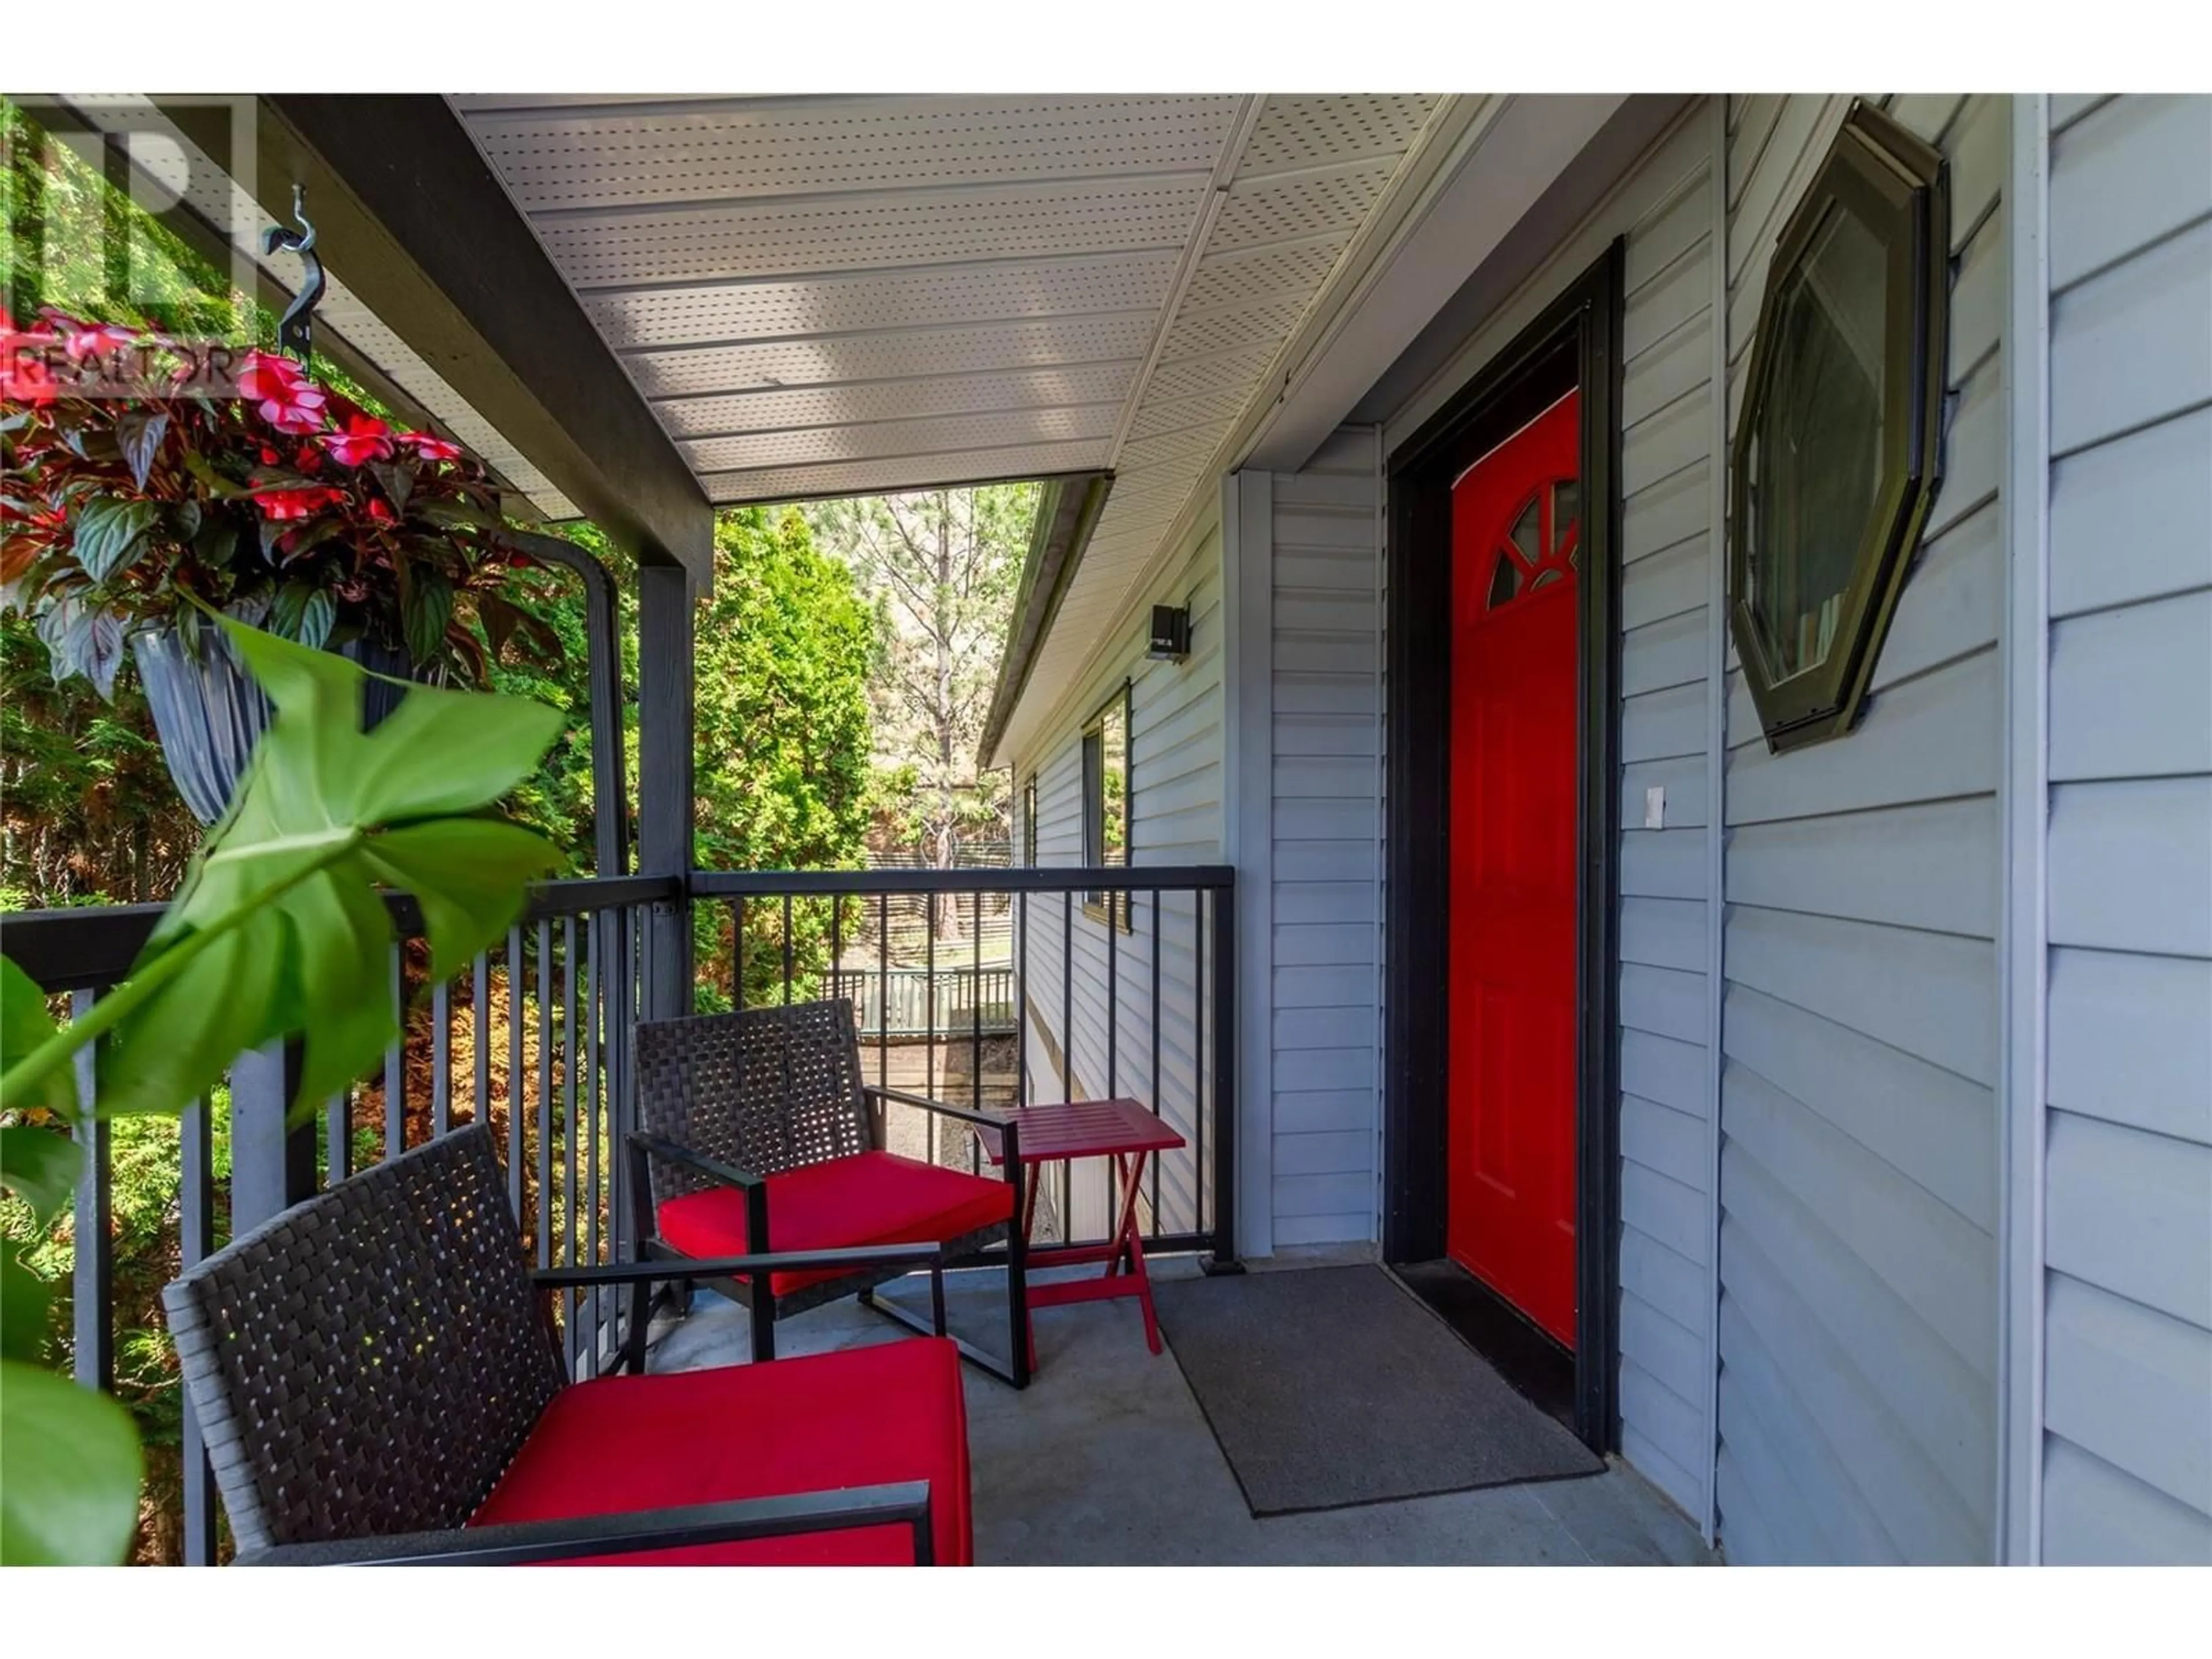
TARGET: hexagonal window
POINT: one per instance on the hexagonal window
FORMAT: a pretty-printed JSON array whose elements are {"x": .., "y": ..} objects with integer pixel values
[{"x": 1837, "y": 450}]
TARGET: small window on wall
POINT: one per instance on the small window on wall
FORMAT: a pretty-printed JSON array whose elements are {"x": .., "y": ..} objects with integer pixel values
[
  {"x": 1030, "y": 824},
  {"x": 1106, "y": 801},
  {"x": 1836, "y": 454}
]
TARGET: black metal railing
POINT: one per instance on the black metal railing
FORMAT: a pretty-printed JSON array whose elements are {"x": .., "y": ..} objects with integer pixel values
[
  {"x": 534, "y": 1037},
  {"x": 1135, "y": 996},
  {"x": 1120, "y": 981}
]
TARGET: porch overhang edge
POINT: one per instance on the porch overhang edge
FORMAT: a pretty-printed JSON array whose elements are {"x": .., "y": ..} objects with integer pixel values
[{"x": 1067, "y": 512}]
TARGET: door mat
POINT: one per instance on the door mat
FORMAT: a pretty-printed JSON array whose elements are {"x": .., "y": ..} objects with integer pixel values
[{"x": 1328, "y": 1387}]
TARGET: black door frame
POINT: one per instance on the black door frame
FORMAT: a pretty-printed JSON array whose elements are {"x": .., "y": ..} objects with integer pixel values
[{"x": 1575, "y": 343}]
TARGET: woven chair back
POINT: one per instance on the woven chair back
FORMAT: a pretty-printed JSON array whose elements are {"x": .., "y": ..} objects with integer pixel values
[
  {"x": 371, "y": 1360},
  {"x": 766, "y": 1089}
]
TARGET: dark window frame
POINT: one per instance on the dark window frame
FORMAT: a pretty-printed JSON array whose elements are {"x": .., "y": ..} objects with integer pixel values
[
  {"x": 1101, "y": 905},
  {"x": 1897, "y": 186}
]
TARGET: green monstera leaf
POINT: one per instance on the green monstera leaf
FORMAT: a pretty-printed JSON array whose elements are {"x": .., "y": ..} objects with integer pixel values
[
  {"x": 281, "y": 928},
  {"x": 39, "y": 1164},
  {"x": 25, "y": 1027},
  {"x": 68, "y": 1471}
]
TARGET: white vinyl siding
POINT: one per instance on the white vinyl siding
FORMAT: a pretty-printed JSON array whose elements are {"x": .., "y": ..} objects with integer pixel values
[
  {"x": 1668, "y": 643},
  {"x": 2127, "y": 1446},
  {"x": 1326, "y": 657},
  {"x": 1858, "y": 1345},
  {"x": 1174, "y": 802}
]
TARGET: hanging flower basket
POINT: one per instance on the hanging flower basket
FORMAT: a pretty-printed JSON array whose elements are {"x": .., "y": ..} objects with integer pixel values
[
  {"x": 147, "y": 480},
  {"x": 210, "y": 711}
]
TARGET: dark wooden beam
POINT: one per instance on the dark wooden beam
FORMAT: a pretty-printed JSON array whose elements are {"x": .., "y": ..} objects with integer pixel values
[
  {"x": 665, "y": 753},
  {"x": 77, "y": 115},
  {"x": 409, "y": 215}
]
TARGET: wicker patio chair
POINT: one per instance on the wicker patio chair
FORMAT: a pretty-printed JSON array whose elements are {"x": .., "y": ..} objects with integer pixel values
[
  {"x": 379, "y": 1382},
  {"x": 758, "y": 1133}
]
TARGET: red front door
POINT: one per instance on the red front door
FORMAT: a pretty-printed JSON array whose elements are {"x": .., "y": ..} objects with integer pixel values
[{"x": 1516, "y": 562}]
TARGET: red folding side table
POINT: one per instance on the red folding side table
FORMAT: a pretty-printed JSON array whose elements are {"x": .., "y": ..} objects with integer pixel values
[{"x": 1121, "y": 1130}]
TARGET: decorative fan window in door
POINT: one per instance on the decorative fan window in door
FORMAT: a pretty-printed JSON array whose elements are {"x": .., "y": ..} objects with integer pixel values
[{"x": 1544, "y": 544}]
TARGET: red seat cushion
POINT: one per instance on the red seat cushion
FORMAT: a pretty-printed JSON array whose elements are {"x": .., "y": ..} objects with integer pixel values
[
  {"x": 861, "y": 1417},
  {"x": 871, "y": 1198}
]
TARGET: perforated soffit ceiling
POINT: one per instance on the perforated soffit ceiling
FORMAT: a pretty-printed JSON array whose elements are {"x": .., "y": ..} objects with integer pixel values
[{"x": 821, "y": 296}]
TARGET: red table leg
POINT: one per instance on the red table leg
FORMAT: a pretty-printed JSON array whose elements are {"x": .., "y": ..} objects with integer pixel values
[
  {"x": 1133, "y": 1244},
  {"x": 1123, "y": 1253}
]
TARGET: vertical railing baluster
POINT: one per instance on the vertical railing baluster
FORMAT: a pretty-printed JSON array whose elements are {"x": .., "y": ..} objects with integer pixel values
[
  {"x": 480, "y": 992},
  {"x": 92, "y": 1279},
  {"x": 195, "y": 1241},
  {"x": 568, "y": 1063},
  {"x": 515, "y": 1073},
  {"x": 545, "y": 1094},
  {"x": 1113, "y": 1006},
  {"x": 1159, "y": 931},
  {"x": 883, "y": 990},
  {"x": 929, "y": 1016},
  {"x": 395, "y": 1059},
  {"x": 595, "y": 1064},
  {"x": 337, "y": 1138},
  {"x": 1066, "y": 1051},
  {"x": 615, "y": 999},
  {"x": 1021, "y": 998},
  {"x": 441, "y": 1057},
  {"x": 1112, "y": 1031},
  {"x": 1225, "y": 1076},
  {"x": 1200, "y": 1187},
  {"x": 976, "y": 1026},
  {"x": 622, "y": 1019},
  {"x": 786, "y": 950},
  {"x": 737, "y": 951}
]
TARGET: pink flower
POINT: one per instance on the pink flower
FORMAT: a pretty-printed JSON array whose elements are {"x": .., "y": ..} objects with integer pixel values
[
  {"x": 281, "y": 389},
  {"x": 286, "y": 504},
  {"x": 298, "y": 410},
  {"x": 365, "y": 439},
  {"x": 430, "y": 448},
  {"x": 380, "y": 510},
  {"x": 266, "y": 375}
]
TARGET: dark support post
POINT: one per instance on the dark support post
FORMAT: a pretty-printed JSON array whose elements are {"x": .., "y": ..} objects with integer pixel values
[
  {"x": 272, "y": 1162},
  {"x": 1225, "y": 1084},
  {"x": 664, "y": 751}
]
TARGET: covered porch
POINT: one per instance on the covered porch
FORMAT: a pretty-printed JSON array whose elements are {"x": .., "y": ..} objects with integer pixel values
[{"x": 715, "y": 301}]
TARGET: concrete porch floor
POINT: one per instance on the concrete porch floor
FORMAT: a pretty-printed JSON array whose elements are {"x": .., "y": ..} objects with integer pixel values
[{"x": 1107, "y": 1460}]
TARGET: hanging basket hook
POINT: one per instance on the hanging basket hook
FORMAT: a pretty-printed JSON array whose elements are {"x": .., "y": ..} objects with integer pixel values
[{"x": 296, "y": 330}]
